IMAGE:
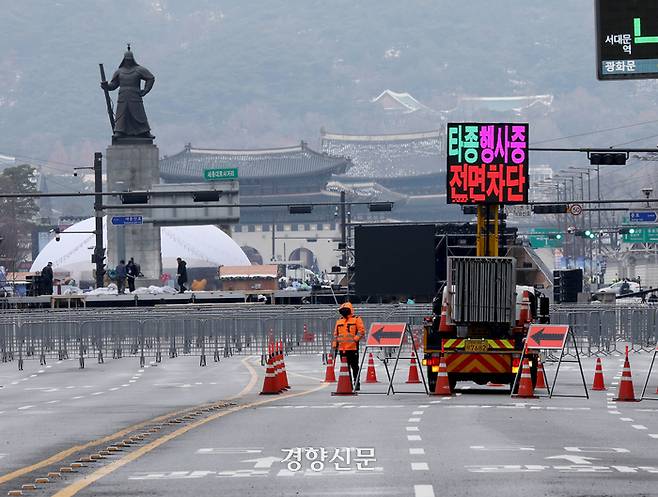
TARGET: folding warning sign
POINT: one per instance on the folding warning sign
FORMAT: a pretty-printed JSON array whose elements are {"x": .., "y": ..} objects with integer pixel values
[
  {"x": 646, "y": 383},
  {"x": 543, "y": 337},
  {"x": 391, "y": 336},
  {"x": 547, "y": 336},
  {"x": 386, "y": 334}
]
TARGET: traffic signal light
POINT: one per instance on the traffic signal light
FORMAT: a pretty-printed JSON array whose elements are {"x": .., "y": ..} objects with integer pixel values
[
  {"x": 555, "y": 236},
  {"x": 627, "y": 231},
  {"x": 550, "y": 209},
  {"x": 608, "y": 158}
]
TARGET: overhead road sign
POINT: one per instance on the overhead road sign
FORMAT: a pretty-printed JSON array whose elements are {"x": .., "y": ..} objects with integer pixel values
[
  {"x": 386, "y": 334},
  {"x": 643, "y": 216},
  {"x": 125, "y": 220},
  {"x": 627, "y": 39},
  {"x": 547, "y": 336},
  {"x": 220, "y": 174}
]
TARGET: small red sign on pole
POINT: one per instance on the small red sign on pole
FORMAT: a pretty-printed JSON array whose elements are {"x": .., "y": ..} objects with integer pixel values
[
  {"x": 547, "y": 336},
  {"x": 386, "y": 334}
]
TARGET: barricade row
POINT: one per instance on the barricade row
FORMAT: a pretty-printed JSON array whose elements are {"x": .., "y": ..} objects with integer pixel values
[
  {"x": 221, "y": 331},
  {"x": 155, "y": 333}
]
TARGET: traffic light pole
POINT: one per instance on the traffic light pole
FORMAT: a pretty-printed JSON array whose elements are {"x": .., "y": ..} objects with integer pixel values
[{"x": 99, "y": 249}]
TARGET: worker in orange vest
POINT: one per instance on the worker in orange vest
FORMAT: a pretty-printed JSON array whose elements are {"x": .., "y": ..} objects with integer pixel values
[{"x": 348, "y": 332}]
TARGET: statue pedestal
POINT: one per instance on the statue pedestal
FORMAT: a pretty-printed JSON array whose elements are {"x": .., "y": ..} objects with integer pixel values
[{"x": 129, "y": 167}]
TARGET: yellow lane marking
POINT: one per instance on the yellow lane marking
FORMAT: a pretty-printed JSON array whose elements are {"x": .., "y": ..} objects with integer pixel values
[
  {"x": 252, "y": 380},
  {"x": 83, "y": 483},
  {"x": 77, "y": 448}
]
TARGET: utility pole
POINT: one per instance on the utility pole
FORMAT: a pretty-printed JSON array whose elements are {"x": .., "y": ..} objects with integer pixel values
[
  {"x": 343, "y": 229},
  {"x": 99, "y": 250}
]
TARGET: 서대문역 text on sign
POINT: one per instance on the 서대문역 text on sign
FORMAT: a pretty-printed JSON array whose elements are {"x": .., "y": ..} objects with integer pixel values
[
  {"x": 627, "y": 39},
  {"x": 487, "y": 163}
]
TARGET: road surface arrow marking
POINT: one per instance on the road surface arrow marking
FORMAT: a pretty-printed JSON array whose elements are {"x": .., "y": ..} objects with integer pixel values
[
  {"x": 263, "y": 462},
  {"x": 575, "y": 459}
]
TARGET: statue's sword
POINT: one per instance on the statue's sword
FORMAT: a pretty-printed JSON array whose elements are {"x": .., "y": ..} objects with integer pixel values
[{"x": 108, "y": 101}]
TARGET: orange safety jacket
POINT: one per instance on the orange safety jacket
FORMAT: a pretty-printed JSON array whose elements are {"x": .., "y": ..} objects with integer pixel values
[{"x": 348, "y": 331}]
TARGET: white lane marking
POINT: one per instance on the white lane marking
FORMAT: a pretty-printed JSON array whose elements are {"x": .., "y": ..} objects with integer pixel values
[
  {"x": 125, "y": 385},
  {"x": 52, "y": 402},
  {"x": 198, "y": 383},
  {"x": 114, "y": 389},
  {"x": 625, "y": 419},
  {"x": 416, "y": 451},
  {"x": 418, "y": 413},
  {"x": 423, "y": 491},
  {"x": 230, "y": 450},
  {"x": 33, "y": 376},
  {"x": 653, "y": 435},
  {"x": 98, "y": 393},
  {"x": 413, "y": 420},
  {"x": 140, "y": 371},
  {"x": 646, "y": 410},
  {"x": 70, "y": 386},
  {"x": 614, "y": 412},
  {"x": 412, "y": 428},
  {"x": 59, "y": 362},
  {"x": 25, "y": 407},
  {"x": 48, "y": 367},
  {"x": 131, "y": 381},
  {"x": 41, "y": 371},
  {"x": 14, "y": 383},
  {"x": 78, "y": 397},
  {"x": 213, "y": 383},
  {"x": 423, "y": 406},
  {"x": 437, "y": 401},
  {"x": 639, "y": 427},
  {"x": 493, "y": 448},
  {"x": 419, "y": 466},
  {"x": 414, "y": 438}
]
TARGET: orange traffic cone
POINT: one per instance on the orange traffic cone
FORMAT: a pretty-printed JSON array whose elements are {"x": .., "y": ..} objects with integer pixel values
[
  {"x": 330, "y": 375},
  {"x": 541, "y": 375},
  {"x": 524, "y": 315},
  {"x": 371, "y": 376},
  {"x": 444, "y": 327},
  {"x": 442, "y": 383},
  {"x": 526, "y": 390},
  {"x": 278, "y": 370},
  {"x": 413, "y": 371},
  {"x": 598, "y": 384},
  {"x": 626, "y": 392},
  {"x": 270, "y": 386},
  {"x": 284, "y": 374},
  {"x": 344, "y": 386}
]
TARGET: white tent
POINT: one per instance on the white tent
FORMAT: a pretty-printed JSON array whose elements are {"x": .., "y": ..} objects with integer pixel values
[{"x": 199, "y": 246}]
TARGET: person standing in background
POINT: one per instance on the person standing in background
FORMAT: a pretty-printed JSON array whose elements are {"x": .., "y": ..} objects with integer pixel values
[
  {"x": 121, "y": 276},
  {"x": 132, "y": 272},
  {"x": 181, "y": 275}
]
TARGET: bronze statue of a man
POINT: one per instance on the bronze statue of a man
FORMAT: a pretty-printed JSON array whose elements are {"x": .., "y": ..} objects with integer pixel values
[{"x": 130, "y": 120}]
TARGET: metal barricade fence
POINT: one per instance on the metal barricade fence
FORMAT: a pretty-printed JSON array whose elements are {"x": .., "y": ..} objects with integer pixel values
[
  {"x": 226, "y": 330},
  {"x": 203, "y": 331}
]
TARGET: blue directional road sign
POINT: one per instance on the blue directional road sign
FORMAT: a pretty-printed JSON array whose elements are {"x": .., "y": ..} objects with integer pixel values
[
  {"x": 643, "y": 216},
  {"x": 123, "y": 220}
]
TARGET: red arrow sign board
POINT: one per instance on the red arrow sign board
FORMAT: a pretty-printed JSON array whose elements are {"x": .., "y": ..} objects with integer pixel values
[
  {"x": 547, "y": 336},
  {"x": 386, "y": 334}
]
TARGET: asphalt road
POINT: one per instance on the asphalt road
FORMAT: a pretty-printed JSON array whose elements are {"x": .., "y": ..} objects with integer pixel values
[{"x": 477, "y": 442}]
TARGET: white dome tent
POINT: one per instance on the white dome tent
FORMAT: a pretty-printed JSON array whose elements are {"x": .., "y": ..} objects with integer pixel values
[{"x": 199, "y": 246}]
